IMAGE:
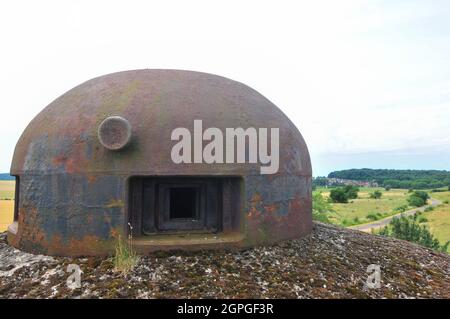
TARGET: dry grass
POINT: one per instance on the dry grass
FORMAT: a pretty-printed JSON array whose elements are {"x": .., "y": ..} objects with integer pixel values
[
  {"x": 357, "y": 210},
  {"x": 6, "y": 214},
  {"x": 7, "y": 189},
  {"x": 439, "y": 218},
  {"x": 125, "y": 258}
]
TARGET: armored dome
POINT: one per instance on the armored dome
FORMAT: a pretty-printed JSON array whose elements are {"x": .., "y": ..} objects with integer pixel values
[{"x": 177, "y": 159}]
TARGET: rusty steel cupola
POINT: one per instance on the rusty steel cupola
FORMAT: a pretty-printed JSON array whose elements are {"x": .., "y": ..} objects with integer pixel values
[{"x": 97, "y": 164}]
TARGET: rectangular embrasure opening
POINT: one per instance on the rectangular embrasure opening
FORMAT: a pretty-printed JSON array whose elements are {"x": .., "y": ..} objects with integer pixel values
[{"x": 183, "y": 203}]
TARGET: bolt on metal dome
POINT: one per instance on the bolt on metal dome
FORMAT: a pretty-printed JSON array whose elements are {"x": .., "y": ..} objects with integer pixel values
[{"x": 114, "y": 133}]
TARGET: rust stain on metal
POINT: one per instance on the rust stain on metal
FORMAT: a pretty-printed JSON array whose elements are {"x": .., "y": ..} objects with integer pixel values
[{"x": 91, "y": 178}]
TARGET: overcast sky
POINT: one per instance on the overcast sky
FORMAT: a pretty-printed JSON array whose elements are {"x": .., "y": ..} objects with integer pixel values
[{"x": 366, "y": 82}]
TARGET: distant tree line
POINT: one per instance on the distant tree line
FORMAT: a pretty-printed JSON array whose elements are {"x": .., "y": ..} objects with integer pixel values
[
  {"x": 409, "y": 179},
  {"x": 6, "y": 177}
]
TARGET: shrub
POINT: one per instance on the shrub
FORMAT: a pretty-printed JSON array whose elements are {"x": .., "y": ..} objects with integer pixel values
[
  {"x": 401, "y": 209},
  {"x": 416, "y": 201},
  {"x": 376, "y": 194},
  {"x": 429, "y": 209},
  {"x": 438, "y": 190},
  {"x": 351, "y": 191},
  {"x": 343, "y": 194},
  {"x": 409, "y": 229},
  {"x": 422, "y": 194},
  {"x": 372, "y": 216},
  {"x": 338, "y": 195},
  {"x": 418, "y": 198},
  {"x": 321, "y": 208},
  {"x": 422, "y": 219}
]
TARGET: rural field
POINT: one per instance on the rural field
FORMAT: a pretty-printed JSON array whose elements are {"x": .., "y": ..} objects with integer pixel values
[
  {"x": 6, "y": 204},
  {"x": 364, "y": 209},
  {"x": 439, "y": 218}
]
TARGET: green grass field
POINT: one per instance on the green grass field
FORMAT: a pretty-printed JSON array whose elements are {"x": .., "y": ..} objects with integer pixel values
[
  {"x": 6, "y": 204},
  {"x": 439, "y": 218},
  {"x": 364, "y": 209},
  {"x": 7, "y": 189}
]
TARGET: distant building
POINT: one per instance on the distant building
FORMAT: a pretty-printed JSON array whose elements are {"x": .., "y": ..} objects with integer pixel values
[{"x": 345, "y": 182}]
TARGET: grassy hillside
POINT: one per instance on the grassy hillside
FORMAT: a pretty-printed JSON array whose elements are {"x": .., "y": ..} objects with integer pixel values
[
  {"x": 364, "y": 209},
  {"x": 7, "y": 190},
  {"x": 439, "y": 218},
  {"x": 6, "y": 177}
]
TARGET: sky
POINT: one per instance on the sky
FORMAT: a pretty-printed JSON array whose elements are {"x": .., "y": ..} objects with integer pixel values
[{"x": 366, "y": 82}]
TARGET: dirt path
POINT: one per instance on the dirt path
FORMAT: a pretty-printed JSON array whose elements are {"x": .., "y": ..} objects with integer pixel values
[{"x": 384, "y": 222}]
